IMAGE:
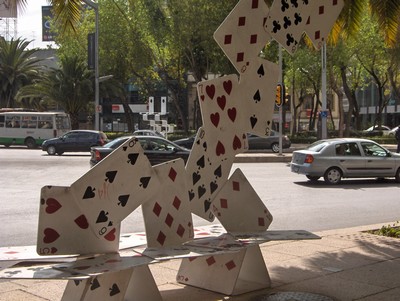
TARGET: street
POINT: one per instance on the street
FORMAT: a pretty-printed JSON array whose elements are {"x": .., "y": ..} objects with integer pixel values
[{"x": 294, "y": 202}]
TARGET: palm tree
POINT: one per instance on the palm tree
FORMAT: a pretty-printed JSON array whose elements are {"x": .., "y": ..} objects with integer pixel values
[
  {"x": 18, "y": 67},
  {"x": 70, "y": 86}
]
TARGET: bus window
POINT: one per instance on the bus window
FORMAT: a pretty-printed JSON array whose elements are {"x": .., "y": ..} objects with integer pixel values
[
  {"x": 13, "y": 121},
  {"x": 45, "y": 122},
  {"x": 32, "y": 122},
  {"x": 2, "y": 121}
]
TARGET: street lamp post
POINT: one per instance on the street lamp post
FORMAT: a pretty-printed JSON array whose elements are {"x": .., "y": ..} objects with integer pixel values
[{"x": 97, "y": 107}]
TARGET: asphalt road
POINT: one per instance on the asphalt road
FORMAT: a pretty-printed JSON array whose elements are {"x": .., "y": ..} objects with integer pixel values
[{"x": 294, "y": 202}]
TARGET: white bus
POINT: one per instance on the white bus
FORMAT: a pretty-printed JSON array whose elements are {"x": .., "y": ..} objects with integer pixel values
[{"x": 31, "y": 128}]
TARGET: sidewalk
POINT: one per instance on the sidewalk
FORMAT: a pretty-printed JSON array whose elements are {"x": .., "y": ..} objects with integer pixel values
[{"x": 346, "y": 264}]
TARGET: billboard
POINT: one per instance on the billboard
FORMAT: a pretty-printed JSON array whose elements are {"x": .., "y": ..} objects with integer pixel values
[
  {"x": 8, "y": 9},
  {"x": 47, "y": 16}
]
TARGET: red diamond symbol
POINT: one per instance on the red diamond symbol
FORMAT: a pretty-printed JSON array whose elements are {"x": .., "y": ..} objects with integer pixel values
[
  {"x": 224, "y": 203},
  {"x": 172, "y": 174},
  {"x": 180, "y": 230},
  {"x": 228, "y": 39},
  {"x": 261, "y": 222},
  {"x": 157, "y": 209},
  {"x": 210, "y": 260},
  {"x": 176, "y": 203},
  {"x": 240, "y": 57},
  {"x": 235, "y": 186},
  {"x": 253, "y": 39},
  {"x": 192, "y": 258},
  {"x": 230, "y": 265},
  {"x": 317, "y": 35},
  {"x": 242, "y": 21},
  {"x": 161, "y": 238},
  {"x": 254, "y": 4},
  {"x": 334, "y": 2},
  {"x": 321, "y": 10},
  {"x": 169, "y": 220}
]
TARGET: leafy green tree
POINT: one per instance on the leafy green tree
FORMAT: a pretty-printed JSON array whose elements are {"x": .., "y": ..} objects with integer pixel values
[
  {"x": 70, "y": 86},
  {"x": 18, "y": 67}
]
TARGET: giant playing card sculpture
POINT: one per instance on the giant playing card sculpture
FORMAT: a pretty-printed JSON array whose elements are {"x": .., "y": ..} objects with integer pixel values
[{"x": 80, "y": 224}]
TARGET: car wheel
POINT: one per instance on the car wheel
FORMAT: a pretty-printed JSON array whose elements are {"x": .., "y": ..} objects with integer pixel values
[
  {"x": 30, "y": 143},
  {"x": 51, "y": 150},
  {"x": 7, "y": 145},
  {"x": 60, "y": 153},
  {"x": 275, "y": 147},
  {"x": 333, "y": 175},
  {"x": 398, "y": 175},
  {"x": 313, "y": 178}
]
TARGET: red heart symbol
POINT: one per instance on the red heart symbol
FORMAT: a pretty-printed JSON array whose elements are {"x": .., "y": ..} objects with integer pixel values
[
  {"x": 236, "y": 143},
  {"x": 221, "y": 102},
  {"x": 232, "y": 114},
  {"x": 220, "y": 150},
  {"x": 50, "y": 235},
  {"x": 82, "y": 222},
  {"x": 228, "y": 86},
  {"x": 52, "y": 205},
  {"x": 110, "y": 236},
  {"x": 202, "y": 97},
  {"x": 210, "y": 90},
  {"x": 215, "y": 119}
]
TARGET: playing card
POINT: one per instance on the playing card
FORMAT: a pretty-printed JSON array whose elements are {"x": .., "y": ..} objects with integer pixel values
[
  {"x": 63, "y": 229},
  {"x": 206, "y": 173},
  {"x": 239, "y": 208},
  {"x": 224, "y": 242},
  {"x": 37, "y": 270},
  {"x": 115, "y": 187},
  {"x": 220, "y": 111},
  {"x": 106, "y": 263},
  {"x": 256, "y": 94},
  {"x": 130, "y": 240},
  {"x": 286, "y": 22},
  {"x": 209, "y": 230},
  {"x": 167, "y": 216},
  {"x": 323, "y": 14},
  {"x": 241, "y": 35},
  {"x": 24, "y": 253}
]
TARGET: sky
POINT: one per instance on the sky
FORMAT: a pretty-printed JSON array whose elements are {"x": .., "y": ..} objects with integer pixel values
[{"x": 29, "y": 23}]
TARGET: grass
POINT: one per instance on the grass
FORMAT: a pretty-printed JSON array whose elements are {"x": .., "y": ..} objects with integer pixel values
[{"x": 389, "y": 230}]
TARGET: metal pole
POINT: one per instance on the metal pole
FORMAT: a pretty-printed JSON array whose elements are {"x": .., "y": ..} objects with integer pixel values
[
  {"x": 324, "y": 114},
  {"x": 282, "y": 91},
  {"x": 95, "y": 7}
]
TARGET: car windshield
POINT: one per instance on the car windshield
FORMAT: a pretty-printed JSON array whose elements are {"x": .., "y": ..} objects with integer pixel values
[
  {"x": 115, "y": 143},
  {"x": 317, "y": 146}
]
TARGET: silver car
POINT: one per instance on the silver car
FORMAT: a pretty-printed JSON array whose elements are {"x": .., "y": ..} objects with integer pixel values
[{"x": 335, "y": 159}]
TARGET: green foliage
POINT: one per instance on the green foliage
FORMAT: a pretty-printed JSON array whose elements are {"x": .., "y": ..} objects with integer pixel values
[{"x": 389, "y": 230}]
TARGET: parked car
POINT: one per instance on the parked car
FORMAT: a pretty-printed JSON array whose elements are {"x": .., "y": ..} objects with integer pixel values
[
  {"x": 392, "y": 132},
  {"x": 334, "y": 159},
  {"x": 268, "y": 142},
  {"x": 157, "y": 149},
  {"x": 148, "y": 133},
  {"x": 74, "y": 141},
  {"x": 186, "y": 142},
  {"x": 374, "y": 130}
]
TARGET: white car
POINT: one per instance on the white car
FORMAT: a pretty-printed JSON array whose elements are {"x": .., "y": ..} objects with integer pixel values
[
  {"x": 334, "y": 159},
  {"x": 377, "y": 129}
]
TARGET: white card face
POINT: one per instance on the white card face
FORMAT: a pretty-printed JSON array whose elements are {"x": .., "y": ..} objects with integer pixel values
[
  {"x": 206, "y": 174},
  {"x": 64, "y": 229},
  {"x": 130, "y": 240},
  {"x": 323, "y": 14},
  {"x": 36, "y": 270},
  {"x": 224, "y": 242},
  {"x": 257, "y": 90},
  {"x": 115, "y": 187},
  {"x": 242, "y": 36},
  {"x": 106, "y": 263},
  {"x": 239, "y": 208},
  {"x": 167, "y": 216},
  {"x": 286, "y": 22}
]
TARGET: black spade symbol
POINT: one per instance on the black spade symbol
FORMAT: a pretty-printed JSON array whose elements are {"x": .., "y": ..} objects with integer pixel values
[
  {"x": 218, "y": 171},
  {"x": 132, "y": 158},
  {"x": 95, "y": 284},
  {"x": 123, "y": 199},
  {"x": 114, "y": 290},
  {"x": 195, "y": 177},
  {"x": 253, "y": 121},
  {"x": 145, "y": 181},
  {"x": 110, "y": 175},
  {"x": 200, "y": 162},
  {"x": 102, "y": 218},
  {"x": 207, "y": 205},
  {"x": 257, "y": 96},
  {"x": 201, "y": 190},
  {"x": 213, "y": 186},
  {"x": 89, "y": 193},
  {"x": 261, "y": 71},
  {"x": 191, "y": 195},
  {"x": 77, "y": 282}
]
